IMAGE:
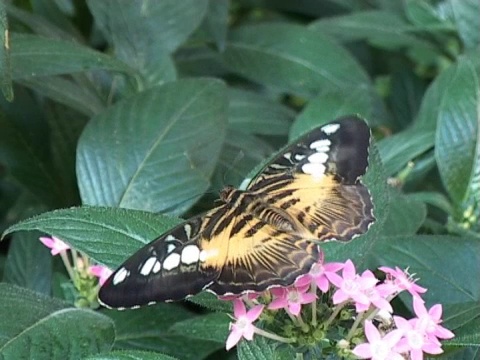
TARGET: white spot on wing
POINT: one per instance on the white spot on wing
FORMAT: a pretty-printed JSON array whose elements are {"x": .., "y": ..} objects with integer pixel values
[
  {"x": 321, "y": 144},
  {"x": 170, "y": 238},
  {"x": 157, "y": 267},
  {"x": 190, "y": 254},
  {"x": 120, "y": 276},
  {"x": 148, "y": 266},
  {"x": 188, "y": 230},
  {"x": 288, "y": 156},
  {"x": 171, "y": 262},
  {"x": 318, "y": 158},
  {"x": 314, "y": 169},
  {"x": 170, "y": 248},
  {"x": 330, "y": 128}
]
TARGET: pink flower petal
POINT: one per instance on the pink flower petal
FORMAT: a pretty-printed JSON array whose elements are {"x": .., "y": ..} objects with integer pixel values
[
  {"x": 233, "y": 339},
  {"x": 239, "y": 308}
]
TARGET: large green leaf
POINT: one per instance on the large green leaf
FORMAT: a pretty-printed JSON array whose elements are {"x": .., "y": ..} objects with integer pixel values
[
  {"x": 458, "y": 133},
  {"x": 292, "y": 58},
  {"x": 252, "y": 112},
  {"x": 210, "y": 327},
  {"x": 143, "y": 34},
  {"x": 130, "y": 355},
  {"x": 108, "y": 235},
  {"x": 398, "y": 150},
  {"x": 23, "y": 151},
  {"x": 241, "y": 152},
  {"x": 439, "y": 262},
  {"x": 156, "y": 150},
  {"x": 35, "y": 324},
  {"x": 151, "y": 328},
  {"x": 467, "y": 21},
  {"x": 381, "y": 28},
  {"x": 29, "y": 263},
  {"x": 33, "y": 55},
  {"x": 330, "y": 105}
]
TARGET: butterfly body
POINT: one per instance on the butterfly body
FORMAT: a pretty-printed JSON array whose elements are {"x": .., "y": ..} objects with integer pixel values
[{"x": 266, "y": 235}]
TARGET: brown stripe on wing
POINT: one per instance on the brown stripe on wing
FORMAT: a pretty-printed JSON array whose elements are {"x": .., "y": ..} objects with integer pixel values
[
  {"x": 327, "y": 209},
  {"x": 264, "y": 258}
]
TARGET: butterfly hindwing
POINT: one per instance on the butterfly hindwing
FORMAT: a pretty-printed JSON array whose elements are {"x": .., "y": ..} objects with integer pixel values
[
  {"x": 258, "y": 255},
  {"x": 265, "y": 236}
]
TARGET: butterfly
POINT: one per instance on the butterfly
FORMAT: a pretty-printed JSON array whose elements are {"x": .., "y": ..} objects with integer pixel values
[{"x": 264, "y": 236}]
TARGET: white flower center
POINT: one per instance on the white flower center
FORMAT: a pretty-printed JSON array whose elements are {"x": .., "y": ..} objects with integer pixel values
[
  {"x": 242, "y": 323},
  {"x": 350, "y": 286},
  {"x": 293, "y": 296},
  {"x": 380, "y": 350},
  {"x": 415, "y": 339}
]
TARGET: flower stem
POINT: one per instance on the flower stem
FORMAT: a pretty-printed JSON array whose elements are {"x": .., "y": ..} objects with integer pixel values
[
  {"x": 68, "y": 265},
  {"x": 357, "y": 321},
  {"x": 273, "y": 336},
  {"x": 335, "y": 312},
  {"x": 314, "y": 305}
]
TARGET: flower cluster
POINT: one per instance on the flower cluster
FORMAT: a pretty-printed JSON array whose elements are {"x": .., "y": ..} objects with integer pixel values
[
  {"x": 80, "y": 271},
  {"x": 348, "y": 313}
]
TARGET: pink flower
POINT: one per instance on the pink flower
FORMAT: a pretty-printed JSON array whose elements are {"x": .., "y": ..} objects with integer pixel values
[
  {"x": 55, "y": 245},
  {"x": 318, "y": 274},
  {"x": 415, "y": 340},
  {"x": 377, "y": 296},
  {"x": 291, "y": 299},
  {"x": 429, "y": 320},
  {"x": 101, "y": 272},
  {"x": 400, "y": 280},
  {"x": 243, "y": 327},
  {"x": 352, "y": 286},
  {"x": 378, "y": 348}
]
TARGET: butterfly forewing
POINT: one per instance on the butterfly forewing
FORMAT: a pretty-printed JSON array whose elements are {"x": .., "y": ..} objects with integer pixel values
[
  {"x": 264, "y": 236},
  {"x": 169, "y": 268}
]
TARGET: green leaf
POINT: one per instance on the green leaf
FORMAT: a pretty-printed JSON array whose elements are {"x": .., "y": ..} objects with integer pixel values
[
  {"x": 464, "y": 322},
  {"x": 425, "y": 256},
  {"x": 467, "y": 21},
  {"x": 5, "y": 64},
  {"x": 150, "y": 328},
  {"x": 107, "y": 235},
  {"x": 458, "y": 133},
  {"x": 292, "y": 58},
  {"x": 210, "y": 327},
  {"x": 216, "y": 21},
  {"x": 407, "y": 90},
  {"x": 23, "y": 151},
  {"x": 29, "y": 263},
  {"x": 398, "y": 150},
  {"x": 35, "y": 324},
  {"x": 130, "y": 355},
  {"x": 380, "y": 28},
  {"x": 67, "y": 92},
  {"x": 137, "y": 29},
  {"x": 330, "y": 105},
  {"x": 211, "y": 302},
  {"x": 406, "y": 215},
  {"x": 165, "y": 145},
  {"x": 252, "y": 112},
  {"x": 446, "y": 87},
  {"x": 241, "y": 152},
  {"x": 262, "y": 349},
  {"x": 33, "y": 55}
]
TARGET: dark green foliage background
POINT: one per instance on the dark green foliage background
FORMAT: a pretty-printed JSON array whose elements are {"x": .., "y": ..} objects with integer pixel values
[{"x": 120, "y": 116}]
